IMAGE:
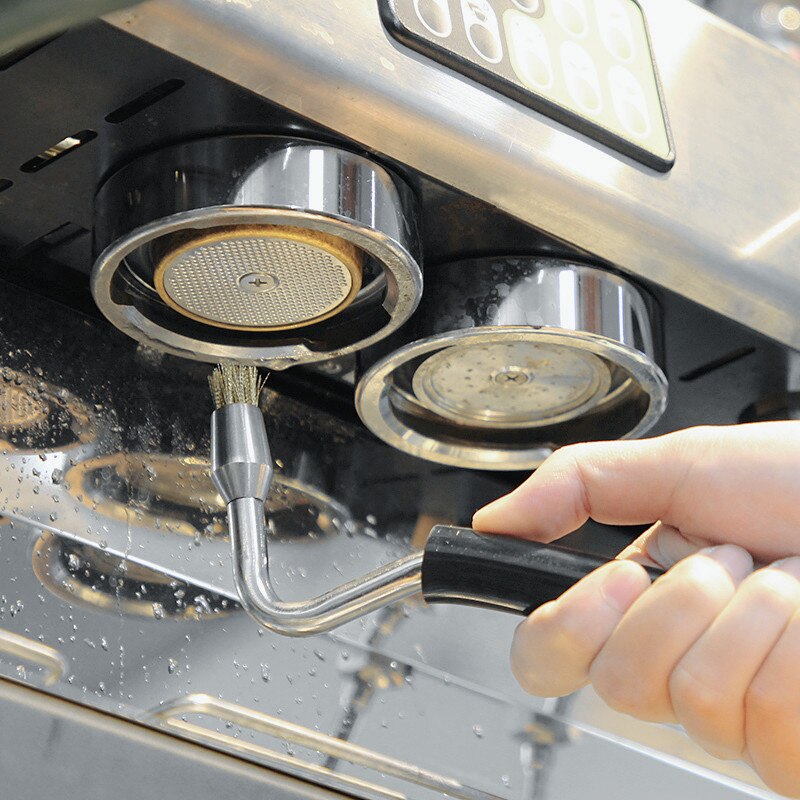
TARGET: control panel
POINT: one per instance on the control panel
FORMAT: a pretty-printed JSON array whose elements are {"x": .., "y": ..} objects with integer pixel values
[{"x": 586, "y": 63}]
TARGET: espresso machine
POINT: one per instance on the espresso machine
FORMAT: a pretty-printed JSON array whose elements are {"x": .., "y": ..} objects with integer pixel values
[{"x": 458, "y": 235}]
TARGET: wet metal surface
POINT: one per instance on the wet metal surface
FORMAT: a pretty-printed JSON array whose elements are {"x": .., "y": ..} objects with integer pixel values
[{"x": 116, "y": 586}]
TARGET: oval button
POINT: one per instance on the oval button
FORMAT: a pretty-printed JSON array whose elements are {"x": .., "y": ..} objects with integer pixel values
[
  {"x": 629, "y": 102},
  {"x": 530, "y": 6},
  {"x": 581, "y": 77},
  {"x": 616, "y": 30},
  {"x": 528, "y": 50},
  {"x": 435, "y": 16},
  {"x": 483, "y": 31},
  {"x": 571, "y": 16}
]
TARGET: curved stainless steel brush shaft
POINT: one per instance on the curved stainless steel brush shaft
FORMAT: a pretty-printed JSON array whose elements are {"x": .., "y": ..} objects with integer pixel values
[{"x": 241, "y": 471}]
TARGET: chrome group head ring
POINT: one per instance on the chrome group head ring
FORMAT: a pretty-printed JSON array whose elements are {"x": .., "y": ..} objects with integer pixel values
[
  {"x": 403, "y": 283},
  {"x": 503, "y": 400}
]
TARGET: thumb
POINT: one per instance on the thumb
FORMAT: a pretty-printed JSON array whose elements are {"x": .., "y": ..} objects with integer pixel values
[
  {"x": 662, "y": 546},
  {"x": 616, "y": 483}
]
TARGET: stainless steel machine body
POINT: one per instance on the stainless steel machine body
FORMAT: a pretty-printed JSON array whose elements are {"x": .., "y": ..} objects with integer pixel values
[
  {"x": 128, "y": 603},
  {"x": 721, "y": 227},
  {"x": 117, "y": 586}
]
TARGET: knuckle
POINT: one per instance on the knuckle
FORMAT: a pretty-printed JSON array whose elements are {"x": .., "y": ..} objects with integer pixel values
[
  {"x": 693, "y": 443},
  {"x": 620, "y": 689},
  {"x": 573, "y": 631},
  {"x": 766, "y": 698},
  {"x": 697, "y": 434},
  {"x": 566, "y": 462},
  {"x": 565, "y": 459},
  {"x": 703, "y": 582},
  {"x": 692, "y": 694},
  {"x": 773, "y": 590}
]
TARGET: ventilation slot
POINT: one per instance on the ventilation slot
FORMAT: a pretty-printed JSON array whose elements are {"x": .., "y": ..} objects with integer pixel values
[
  {"x": 62, "y": 148},
  {"x": 11, "y": 57},
  {"x": 143, "y": 101},
  {"x": 62, "y": 235},
  {"x": 5, "y": 184},
  {"x": 717, "y": 363}
]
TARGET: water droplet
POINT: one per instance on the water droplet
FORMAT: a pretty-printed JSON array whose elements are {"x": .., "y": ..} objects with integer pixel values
[
  {"x": 172, "y": 665},
  {"x": 478, "y": 731},
  {"x": 202, "y": 605},
  {"x": 158, "y": 611},
  {"x": 265, "y": 673}
]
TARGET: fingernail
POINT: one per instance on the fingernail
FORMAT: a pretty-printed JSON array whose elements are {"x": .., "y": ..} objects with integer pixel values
[
  {"x": 736, "y": 560},
  {"x": 623, "y": 585},
  {"x": 482, "y": 514},
  {"x": 790, "y": 565}
]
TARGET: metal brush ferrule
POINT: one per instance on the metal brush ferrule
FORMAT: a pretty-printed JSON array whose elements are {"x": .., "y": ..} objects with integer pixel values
[
  {"x": 241, "y": 468},
  {"x": 241, "y": 464}
]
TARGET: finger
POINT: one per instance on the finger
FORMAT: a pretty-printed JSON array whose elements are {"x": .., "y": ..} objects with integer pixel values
[
  {"x": 554, "y": 647},
  {"x": 661, "y": 546},
  {"x": 772, "y": 714},
  {"x": 619, "y": 483},
  {"x": 692, "y": 480},
  {"x": 631, "y": 672},
  {"x": 709, "y": 684}
]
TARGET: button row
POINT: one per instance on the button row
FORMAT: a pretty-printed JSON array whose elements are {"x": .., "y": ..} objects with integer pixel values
[{"x": 483, "y": 31}]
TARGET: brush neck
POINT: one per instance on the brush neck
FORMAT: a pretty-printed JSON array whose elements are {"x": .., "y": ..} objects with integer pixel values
[{"x": 241, "y": 463}]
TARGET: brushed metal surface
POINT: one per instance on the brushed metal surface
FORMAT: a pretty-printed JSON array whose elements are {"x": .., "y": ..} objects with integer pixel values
[{"x": 722, "y": 228}]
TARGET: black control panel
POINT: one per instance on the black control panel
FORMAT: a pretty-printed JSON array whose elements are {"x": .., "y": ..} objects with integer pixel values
[{"x": 586, "y": 63}]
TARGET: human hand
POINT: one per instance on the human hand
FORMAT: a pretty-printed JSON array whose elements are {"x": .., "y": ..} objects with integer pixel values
[{"x": 715, "y": 643}]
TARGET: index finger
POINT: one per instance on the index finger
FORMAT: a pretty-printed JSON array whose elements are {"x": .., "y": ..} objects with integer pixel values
[{"x": 616, "y": 483}]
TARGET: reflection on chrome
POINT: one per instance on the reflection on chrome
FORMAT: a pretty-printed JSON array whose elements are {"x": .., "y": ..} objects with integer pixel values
[
  {"x": 86, "y": 576},
  {"x": 36, "y": 416},
  {"x": 175, "y": 494},
  {"x": 21, "y": 648},
  {"x": 174, "y": 714}
]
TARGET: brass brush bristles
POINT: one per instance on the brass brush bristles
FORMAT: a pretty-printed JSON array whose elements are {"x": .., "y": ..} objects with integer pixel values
[{"x": 235, "y": 383}]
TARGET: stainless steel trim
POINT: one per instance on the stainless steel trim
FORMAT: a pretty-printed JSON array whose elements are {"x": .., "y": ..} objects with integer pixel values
[
  {"x": 41, "y": 655},
  {"x": 721, "y": 228},
  {"x": 253, "y": 180},
  {"x": 170, "y": 714},
  {"x": 48, "y": 742}
]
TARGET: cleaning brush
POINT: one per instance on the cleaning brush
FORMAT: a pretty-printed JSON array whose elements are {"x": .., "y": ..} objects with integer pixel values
[
  {"x": 241, "y": 464},
  {"x": 235, "y": 383},
  {"x": 241, "y": 469},
  {"x": 458, "y": 565}
]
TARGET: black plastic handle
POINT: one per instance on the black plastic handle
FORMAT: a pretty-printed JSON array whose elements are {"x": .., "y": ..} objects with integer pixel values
[{"x": 463, "y": 566}]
